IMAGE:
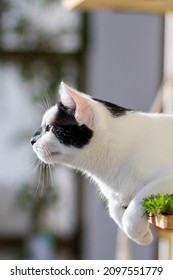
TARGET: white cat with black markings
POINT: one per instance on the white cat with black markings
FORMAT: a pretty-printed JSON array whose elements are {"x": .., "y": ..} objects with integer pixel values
[{"x": 128, "y": 154}]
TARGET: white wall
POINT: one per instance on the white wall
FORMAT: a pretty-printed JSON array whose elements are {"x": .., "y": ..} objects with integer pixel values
[{"x": 124, "y": 67}]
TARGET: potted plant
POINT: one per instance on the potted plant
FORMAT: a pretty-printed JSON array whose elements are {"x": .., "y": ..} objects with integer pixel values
[{"x": 159, "y": 209}]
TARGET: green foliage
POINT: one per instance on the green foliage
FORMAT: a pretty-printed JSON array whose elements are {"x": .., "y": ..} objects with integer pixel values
[
  {"x": 28, "y": 198},
  {"x": 158, "y": 204}
]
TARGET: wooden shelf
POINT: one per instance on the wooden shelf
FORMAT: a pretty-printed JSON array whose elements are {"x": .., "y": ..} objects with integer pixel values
[{"x": 153, "y": 6}]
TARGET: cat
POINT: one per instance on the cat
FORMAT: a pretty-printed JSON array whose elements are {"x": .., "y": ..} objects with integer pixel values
[{"x": 129, "y": 154}]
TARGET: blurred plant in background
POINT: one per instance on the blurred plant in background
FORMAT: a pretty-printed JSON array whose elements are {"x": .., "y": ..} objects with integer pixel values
[
  {"x": 40, "y": 45},
  {"x": 44, "y": 39},
  {"x": 35, "y": 203}
]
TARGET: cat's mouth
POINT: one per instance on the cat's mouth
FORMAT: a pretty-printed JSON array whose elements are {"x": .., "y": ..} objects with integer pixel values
[
  {"x": 54, "y": 153},
  {"x": 51, "y": 155}
]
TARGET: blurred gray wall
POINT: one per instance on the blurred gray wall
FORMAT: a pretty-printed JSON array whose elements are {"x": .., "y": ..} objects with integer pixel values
[{"x": 124, "y": 66}]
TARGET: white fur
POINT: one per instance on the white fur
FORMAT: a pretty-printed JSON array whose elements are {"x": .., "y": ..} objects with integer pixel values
[{"x": 130, "y": 157}]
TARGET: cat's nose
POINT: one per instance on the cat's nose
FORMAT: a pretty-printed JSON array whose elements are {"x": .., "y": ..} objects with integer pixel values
[{"x": 33, "y": 140}]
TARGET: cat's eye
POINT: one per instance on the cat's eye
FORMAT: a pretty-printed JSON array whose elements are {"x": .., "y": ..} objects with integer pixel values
[{"x": 47, "y": 128}]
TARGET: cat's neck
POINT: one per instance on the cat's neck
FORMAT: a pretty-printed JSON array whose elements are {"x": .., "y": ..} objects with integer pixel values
[{"x": 105, "y": 159}]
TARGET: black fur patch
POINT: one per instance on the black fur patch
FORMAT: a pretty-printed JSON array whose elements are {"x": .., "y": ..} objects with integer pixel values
[
  {"x": 67, "y": 129},
  {"x": 115, "y": 110}
]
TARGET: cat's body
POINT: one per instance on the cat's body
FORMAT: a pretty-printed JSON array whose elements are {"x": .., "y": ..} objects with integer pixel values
[{"x": 129, "y": 154}]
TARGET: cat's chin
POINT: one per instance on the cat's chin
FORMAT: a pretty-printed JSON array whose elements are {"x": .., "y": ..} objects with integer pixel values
[{"x": 49, "y": 159}]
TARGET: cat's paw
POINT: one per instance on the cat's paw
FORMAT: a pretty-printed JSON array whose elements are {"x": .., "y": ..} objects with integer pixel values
[
  {"x": 146, "y": 239},
  {"x": 137, "y": 227},
  {"x": 138, "y": 234}
]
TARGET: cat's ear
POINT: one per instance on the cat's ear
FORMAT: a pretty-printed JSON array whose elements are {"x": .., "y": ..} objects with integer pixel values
[{"x": 78, "y": 103}]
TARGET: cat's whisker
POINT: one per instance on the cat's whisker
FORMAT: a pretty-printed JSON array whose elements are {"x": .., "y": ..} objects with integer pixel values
[
  {"x": 45, "y": 173},
  {"x": 51, "y": 175},
  {"x": 48, "y": 176},
  {"x": 49, "y": 165},
  {"x": 39, "y": 179},
  {"x": 48, "y": 153},
  {"x": 45, "y": 103},
  {"x": 46, "y": 100},
  {"x": 34, "y": 159},
  {"x": 43, "y": 166},
  {"x": 33, "y": 165},
  {"x": 36, "y": 167},
  {"x": 46, "y": 183},
  {"x": 43, "y": 179},
  {"x": 42, "y": 107}
]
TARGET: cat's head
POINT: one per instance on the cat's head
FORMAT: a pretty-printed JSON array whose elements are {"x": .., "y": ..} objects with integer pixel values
[
  {"x": 66, "y": 128},
  {"x": 75, "y": 128}
]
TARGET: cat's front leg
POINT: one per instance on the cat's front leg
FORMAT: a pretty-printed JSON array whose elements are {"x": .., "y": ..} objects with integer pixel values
[
  {"x": 135, "y": 227},
  {"x": 135, "y": 223}
]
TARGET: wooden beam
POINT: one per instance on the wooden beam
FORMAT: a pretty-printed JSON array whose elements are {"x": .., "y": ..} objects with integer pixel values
[
  {"x": 31, "y": 55},
  {"x": 153, "y": 6}
]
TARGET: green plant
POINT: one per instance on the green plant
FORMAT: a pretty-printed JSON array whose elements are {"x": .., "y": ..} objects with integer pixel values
[
  {"x": 158, "y": 204},
  {"x": 28, "y": 199}
]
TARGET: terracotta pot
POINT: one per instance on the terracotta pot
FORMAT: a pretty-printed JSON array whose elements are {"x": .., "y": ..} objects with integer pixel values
[{"x": 162, "y": 221}]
